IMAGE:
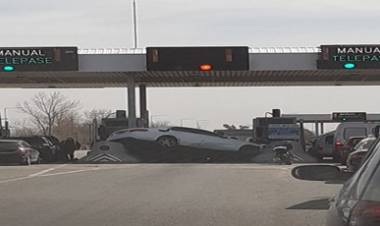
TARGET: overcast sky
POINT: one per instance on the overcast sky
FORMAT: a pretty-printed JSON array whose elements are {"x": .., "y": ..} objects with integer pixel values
[{"x": 108, "y": 24}]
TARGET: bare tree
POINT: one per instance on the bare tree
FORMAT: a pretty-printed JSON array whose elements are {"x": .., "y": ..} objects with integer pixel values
[
  {"x": 22, "y": 129},
  {"x": 46, "y": 109},
  {"x": 97, "y": 114}
]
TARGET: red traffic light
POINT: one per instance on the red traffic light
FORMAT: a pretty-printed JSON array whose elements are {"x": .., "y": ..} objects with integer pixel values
[{"x": 205, "y": 67}]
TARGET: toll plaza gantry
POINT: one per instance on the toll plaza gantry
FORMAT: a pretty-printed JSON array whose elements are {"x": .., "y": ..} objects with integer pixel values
[{"x": 69, "y": 67}]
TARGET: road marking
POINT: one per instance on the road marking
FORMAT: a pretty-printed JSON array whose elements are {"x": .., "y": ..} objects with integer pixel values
[
  {"x": 103, "y": 157},
  {"x": 46, "y": 171},
  {"x": 69, "y": 172},
  {"x": 14, "y": 179},
  {"x": 298, "y": 157},
  {"x": 32, "y": 175}
]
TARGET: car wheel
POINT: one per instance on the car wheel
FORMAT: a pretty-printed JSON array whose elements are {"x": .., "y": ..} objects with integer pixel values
[{"x": 167, "y": 142}]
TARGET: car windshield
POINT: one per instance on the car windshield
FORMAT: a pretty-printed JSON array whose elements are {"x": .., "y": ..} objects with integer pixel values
[
  {"x": 354, "y": 132},
  {"x": 189, "y": 113}
]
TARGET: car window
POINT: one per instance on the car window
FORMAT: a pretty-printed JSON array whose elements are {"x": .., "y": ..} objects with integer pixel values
[
  {"x": 354, "y": 131},
  {"x": 196, "y": 131},
  {"x": 5, "y": 146}
]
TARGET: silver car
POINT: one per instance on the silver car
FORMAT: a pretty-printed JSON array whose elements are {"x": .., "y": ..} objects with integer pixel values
[{"x": 358, "y": 202}]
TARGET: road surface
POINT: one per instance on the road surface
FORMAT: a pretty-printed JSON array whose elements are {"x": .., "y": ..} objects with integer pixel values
[{"x": 159, "y": 194}]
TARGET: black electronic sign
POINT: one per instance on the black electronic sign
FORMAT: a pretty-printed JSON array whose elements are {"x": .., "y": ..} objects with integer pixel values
[
  {"x": 197, "y": 59},
  {"x": 39, "y": 59},
  {"x": 349, "y": 116},
  {"x": 349, "y": 57}
]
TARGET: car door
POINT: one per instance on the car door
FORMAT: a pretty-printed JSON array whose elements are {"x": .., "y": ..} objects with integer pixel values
[
  {"x": 187, "y": 136},
  {"x": 215, "y": 142}
]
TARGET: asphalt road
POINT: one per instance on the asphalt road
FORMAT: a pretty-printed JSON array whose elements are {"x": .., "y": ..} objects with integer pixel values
[{"x": 159, "y": 194}]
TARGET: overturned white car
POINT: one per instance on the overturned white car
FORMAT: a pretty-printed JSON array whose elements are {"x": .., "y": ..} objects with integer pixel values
[{"x": 174, "y": 137}]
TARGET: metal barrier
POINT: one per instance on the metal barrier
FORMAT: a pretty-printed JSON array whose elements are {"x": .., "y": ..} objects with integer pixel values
[{"x": 251, "y": 50}]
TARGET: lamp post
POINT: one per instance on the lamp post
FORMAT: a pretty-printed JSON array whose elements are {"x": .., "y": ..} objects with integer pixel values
[{"x": 134, "y": 24}]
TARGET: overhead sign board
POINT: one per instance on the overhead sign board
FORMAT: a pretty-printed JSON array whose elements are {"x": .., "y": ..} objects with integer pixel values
[
  {"x": 349, "y": 57},
  {"x": 197, "y": 59},
  {"x": 39, "y": 59},
  {"x": 349, "y": 116},
  {"x": 283, "y": 132}
]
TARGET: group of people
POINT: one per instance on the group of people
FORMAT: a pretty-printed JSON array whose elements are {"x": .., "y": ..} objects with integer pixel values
[{"x": 67, "y": 149}]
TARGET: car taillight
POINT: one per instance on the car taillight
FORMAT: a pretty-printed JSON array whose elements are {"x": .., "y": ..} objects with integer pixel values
[
  {"x": 338, "y": 145},
  {"x": 365, "y": 213}
]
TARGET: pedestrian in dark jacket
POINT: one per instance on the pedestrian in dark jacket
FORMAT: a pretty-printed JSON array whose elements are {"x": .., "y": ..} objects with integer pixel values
[{"x": 70, "y": 147}]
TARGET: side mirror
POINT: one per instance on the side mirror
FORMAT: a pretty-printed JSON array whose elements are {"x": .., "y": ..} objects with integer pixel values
[{"x": 317, "y": 173}]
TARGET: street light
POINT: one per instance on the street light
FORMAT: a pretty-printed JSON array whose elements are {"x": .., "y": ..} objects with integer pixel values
[{"x": 134, "y": 23}]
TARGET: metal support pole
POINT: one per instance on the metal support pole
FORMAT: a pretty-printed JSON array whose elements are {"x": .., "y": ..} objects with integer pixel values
[
  {"x": 302, "y": 136},
  {"x": 317, "y": 129},
  {"x": 131, "y": 103},
  {"x": 322, "y": 128},
  {"x": 144, "y": 115},
  {"x": 135, "y": 24}
]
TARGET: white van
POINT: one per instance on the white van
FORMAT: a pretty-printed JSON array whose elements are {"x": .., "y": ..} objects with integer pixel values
[
  {"x": 346, "y": 130},
  {"x": 323, "y": 145}
]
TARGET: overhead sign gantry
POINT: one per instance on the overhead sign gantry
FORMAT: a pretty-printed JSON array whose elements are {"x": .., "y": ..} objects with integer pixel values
[
  {"x": 39, "y": 59},
  {"x": 349, "y": 57},
  {"x": 64, "y": 67}
]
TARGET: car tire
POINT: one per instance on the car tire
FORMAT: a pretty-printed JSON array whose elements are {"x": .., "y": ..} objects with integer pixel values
[{"x": 167, "y": 142}]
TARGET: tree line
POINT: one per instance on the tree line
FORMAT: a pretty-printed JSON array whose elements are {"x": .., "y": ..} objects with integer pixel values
[{"x": 53, "y": 114}]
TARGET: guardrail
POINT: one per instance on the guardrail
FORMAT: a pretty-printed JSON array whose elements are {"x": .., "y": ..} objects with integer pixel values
[
  {"x": 251, "y": 50},
  {"x": 112, "y": 51},
  {"x": 284, "y": 50}
]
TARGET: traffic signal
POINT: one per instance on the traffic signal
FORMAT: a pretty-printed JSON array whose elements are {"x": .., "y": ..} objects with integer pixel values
[
  {"x": 8, "y": 68},
  {"x": 349, "y": 66}
]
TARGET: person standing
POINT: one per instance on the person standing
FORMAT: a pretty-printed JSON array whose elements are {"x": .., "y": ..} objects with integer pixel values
[{"x": 70, "y": 147}]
